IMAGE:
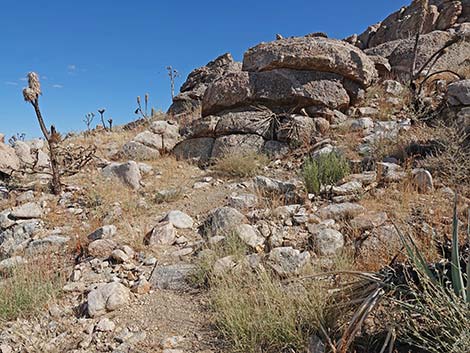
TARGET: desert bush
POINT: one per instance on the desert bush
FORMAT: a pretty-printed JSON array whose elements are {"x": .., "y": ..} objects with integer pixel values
[
  {"x": 326, "y": 169},
  {"x": 27, "y": 288},
  {"x": 241, "y": 164}
]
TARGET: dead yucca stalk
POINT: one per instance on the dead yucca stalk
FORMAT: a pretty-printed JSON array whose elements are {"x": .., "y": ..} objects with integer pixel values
[{"x": 31, "y": 94}]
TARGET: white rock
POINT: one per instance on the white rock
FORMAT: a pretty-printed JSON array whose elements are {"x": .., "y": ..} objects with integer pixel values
[
  {"x": 107, "y": 297},
  {"x": 27, "y": 211},
  {"x": 180, "y": 220},
  {"x": 105, "y": 325},
  {"x": 162, "y": 234},
  {"x": 105, "y": 232},
  {"x": 250, "y": 236}
]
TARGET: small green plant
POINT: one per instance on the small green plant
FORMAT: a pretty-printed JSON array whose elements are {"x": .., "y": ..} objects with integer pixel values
[
  {"x": 326, "y": 169},
  {"x": 241, "y": 164}
]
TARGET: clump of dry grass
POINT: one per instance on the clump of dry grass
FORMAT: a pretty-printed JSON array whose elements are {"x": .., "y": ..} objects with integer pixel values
[
  {"x": 258, "y": 313},
  {"x": 255, "y": 310},
  {"x": 452, "y": 164},
  {"x": 27, "y": 288},
  {"x": 386, "y": 108},
  {"x": 241, "y": 164}
]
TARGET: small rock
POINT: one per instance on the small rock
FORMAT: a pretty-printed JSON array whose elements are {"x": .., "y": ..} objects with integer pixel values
[
  {"x": 174, "y": 277},
  {"x": 27, "y": 211},
  {"x": 288, "y": 261},
  {"x": 104, "y": 232},
  {"x": 141, "y": 287},
  {"x": 223, "y": 265},
  {"x": 340, "y": 211},
  {"x": 180, "y": 220},
  {"x": 328, "y": 241},
  {"x": 250, "y": 236},
  {"x": 368, "y": 221},
  {"x": 162, "y": 234},
  {"x": 243, "y": 201},
  {"x": 119, "y": 256},
  {"x": 105, "y": 325},
  {"x": 107, "y": 297},
  {"x": 101, "y": 248}
]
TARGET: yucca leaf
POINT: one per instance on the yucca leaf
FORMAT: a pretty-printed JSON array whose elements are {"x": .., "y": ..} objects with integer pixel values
[
  {"x": 414, "y": 255},
  {"x": 468, "y": 257},
  {"x": 456, "y": 270}
]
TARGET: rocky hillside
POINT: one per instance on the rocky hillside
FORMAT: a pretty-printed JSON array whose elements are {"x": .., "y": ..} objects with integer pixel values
[{"x": 219, "y": 226}]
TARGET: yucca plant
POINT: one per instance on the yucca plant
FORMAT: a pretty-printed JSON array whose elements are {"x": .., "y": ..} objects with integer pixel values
[{"x": 428, "y": 303}]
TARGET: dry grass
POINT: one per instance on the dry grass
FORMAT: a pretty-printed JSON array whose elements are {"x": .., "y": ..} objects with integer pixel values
[
  {"x": 256, "y": 311},
  {"x": 241, "y": 164},
  {"x": 27, "y": 288},
  {"x": 377, "y": 95}
]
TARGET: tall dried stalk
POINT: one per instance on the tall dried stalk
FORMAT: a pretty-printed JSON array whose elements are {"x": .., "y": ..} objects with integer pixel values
[
  {"x": 424, "y": 6},
  {"x": 31, "y": 94}
]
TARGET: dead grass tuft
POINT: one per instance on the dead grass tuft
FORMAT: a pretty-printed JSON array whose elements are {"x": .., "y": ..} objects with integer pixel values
[
  {"x": 27, "y": 288},
  {"x": 241, "y": 164}
]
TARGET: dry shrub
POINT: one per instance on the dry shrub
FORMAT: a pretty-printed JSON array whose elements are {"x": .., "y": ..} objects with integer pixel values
[
  {"x": 256, "y": 312},
  {"x": 27, "y": 288},
  {"x": 452, "y": 164},
  {"x": 241, "y": 164},
  {"x": 376, "y": 94}
]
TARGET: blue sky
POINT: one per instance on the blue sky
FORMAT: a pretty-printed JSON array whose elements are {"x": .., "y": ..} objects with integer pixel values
[{"x": 104, "y": 53}]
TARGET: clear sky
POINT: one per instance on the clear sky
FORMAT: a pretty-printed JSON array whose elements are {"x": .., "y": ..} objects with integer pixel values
[{"x": 103, "y": 53}]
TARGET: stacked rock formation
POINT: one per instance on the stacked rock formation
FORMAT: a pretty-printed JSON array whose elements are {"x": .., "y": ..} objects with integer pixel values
[{"x": 257, "y": 107}]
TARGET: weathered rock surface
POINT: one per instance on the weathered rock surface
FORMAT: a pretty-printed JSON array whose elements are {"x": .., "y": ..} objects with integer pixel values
[
  {"x": 128, "y": 173},
  {"x": 107, "y": 297},
  {"x": 188, "y": 102},
  {"x": 288, "y": 261},
  {"x": 312, "y": 53}
]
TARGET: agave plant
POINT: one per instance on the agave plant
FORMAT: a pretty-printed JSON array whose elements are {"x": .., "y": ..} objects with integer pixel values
[{"x": 430, "y": 302}]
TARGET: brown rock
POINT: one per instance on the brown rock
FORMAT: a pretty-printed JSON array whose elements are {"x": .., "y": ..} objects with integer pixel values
[
  {"x": 283, "y": 87},
  {"x": 312, "y": 53}
]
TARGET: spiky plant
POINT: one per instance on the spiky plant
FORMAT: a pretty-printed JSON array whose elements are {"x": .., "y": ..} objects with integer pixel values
[{"x": 428, "y": 304}]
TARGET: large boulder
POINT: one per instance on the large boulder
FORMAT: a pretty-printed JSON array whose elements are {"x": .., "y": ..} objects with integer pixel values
[
  {"x": 107, "y": 297},
  {"x": 402, "y": 24},
  {"x": 8, "y": 159},
  {"x": 280, "y": 87},
  {"x": 188, "y": 102},
  {"x": 128, "y": 173},
  {"x": 312, "y": 53},
  {"x": 195, "y": 148},
  {"x": 244, "y": 143},
  {"x": 400, "y": 53}
]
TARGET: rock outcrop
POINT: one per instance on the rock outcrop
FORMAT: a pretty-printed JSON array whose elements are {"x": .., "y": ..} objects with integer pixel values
[
  {"x": 275, "y": 97},
  {"x": 187, "y": 104}
]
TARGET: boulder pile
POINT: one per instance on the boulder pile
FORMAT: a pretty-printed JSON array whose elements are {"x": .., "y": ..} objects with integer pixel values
[{"x": 277, "y": 96}]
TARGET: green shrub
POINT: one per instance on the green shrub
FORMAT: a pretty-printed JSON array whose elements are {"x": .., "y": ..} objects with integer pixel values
[{"x": 326, "y": 169}]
